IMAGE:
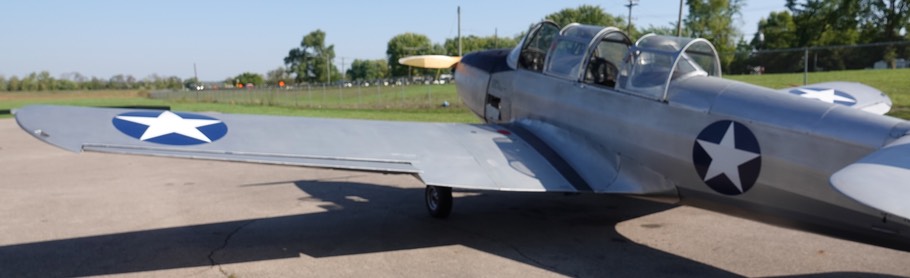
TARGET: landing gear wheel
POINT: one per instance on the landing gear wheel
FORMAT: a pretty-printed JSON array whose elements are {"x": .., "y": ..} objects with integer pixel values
[{"x": 439, "y": 201}]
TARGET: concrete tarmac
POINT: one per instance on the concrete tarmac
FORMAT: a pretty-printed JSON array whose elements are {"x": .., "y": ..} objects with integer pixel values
[{"x": 67, "y": 214}]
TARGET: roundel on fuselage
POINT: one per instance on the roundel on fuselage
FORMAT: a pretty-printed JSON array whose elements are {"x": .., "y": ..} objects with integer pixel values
[{"x": 727, "y": 157}]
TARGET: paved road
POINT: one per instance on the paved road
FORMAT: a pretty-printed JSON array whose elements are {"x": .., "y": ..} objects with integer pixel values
[{"x": 66, "y": 214}]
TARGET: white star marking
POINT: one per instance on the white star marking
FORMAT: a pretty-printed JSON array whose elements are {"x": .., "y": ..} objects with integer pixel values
[
  {"x": 168, "y": 122},
  {"x": 726, "y": 158},
  {"x": 827, "y": 95}
]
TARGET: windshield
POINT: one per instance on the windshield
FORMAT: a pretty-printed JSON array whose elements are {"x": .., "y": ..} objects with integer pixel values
[
  {"x": 655, "y": 61},
  {"x": 565, "y": 58}
]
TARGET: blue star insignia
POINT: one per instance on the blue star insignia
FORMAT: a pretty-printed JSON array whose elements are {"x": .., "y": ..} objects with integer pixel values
[
  {"x": 727, "y": 157},
  {"x": 826, "y": 95},
  {"x": 170, "y": 128}
]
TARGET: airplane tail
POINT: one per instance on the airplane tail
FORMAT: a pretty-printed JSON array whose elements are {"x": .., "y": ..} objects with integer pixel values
[{"x": 879, "y": 180}]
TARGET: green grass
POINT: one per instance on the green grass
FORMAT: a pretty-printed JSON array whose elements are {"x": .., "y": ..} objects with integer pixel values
[
  {"x": 417, "y": 114},
  {"x": 402, "y": 103},
  {"x": 410, "y": 104},
  {"x": 374, "y": 97},
  {"x": 10, "y": 100},
  {"x": 894, "y": 83}
]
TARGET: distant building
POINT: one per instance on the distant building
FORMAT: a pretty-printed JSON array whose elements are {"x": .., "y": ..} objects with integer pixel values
[{"x": 899, "y": 63}]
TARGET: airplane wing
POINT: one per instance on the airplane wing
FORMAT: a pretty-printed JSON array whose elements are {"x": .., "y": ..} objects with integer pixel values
[
  {"x": 879, "y": 180},
  {"x": 854, "y": 95},
  {"x": 468, "y": 156}
]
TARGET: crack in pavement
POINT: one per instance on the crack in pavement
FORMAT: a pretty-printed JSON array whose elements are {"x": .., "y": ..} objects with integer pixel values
[
  {"x": 224, "y": 244},
  {"x": 516, "y": 249}
]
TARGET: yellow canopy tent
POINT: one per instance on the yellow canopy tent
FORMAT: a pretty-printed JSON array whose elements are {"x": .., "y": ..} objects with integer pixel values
[{"x": 430, "y": 61}]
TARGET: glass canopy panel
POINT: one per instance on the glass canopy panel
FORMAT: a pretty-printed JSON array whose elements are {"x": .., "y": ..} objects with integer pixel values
[{"x": 657, "y": 60}]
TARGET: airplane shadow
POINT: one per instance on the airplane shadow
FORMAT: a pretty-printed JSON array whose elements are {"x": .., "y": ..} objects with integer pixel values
[{"x": 570, "y": 235}]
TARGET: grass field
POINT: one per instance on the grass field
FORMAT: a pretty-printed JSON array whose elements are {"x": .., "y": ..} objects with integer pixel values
[
  {"x": 895, "y": 83},
  {"x": 409, "y": 103},
  {"x": 374, "y": 97}
]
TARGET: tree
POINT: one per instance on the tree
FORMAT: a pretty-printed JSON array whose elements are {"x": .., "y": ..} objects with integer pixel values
[
  {"x": 883, "y": 21},
  {"x": 741, "y": 62},
  {"x": 713, "y": 20},
  {"x": 832, "y": 22},
  {"x": 249, "y": 78},
  {"x": 311, "y": 62},
  {"x": 190, "y": 83},
  {"x": 154, "y": 81},
  {"x": 3, "y": 83},
  {"x": 368, "y": 69},
  {"x": 13, "y": 84},
  {"x": 118, "y": 82},
  {"x": 660, "y": 30},
  {"x": 889, "y": 16},
  {"x": 474, "y": 43},
  {"x": 815, "y": 19},
  {"x": 65, "y": 85},
  {"x": 275, "y": 76},
  {"x": 70, "y": 81},
  {"x": 28, "y": 82},
  {"x": 158, "y": 82},
  {"x": 98, "y": 84},
  {"x": 173, "y": 83},
  {"x": 130, "y": 81},
  {"x": 408, "y": 44},
  {"x": 44, "y": 81},
  {"x": 586, "y": 14},
  {"x": 777, "y": 31}
]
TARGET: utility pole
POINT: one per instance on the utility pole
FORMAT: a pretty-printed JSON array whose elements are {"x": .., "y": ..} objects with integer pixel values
[
  {"x": 679, "y": 20},
  {"x": 806, "y": 66},
  {"x": 631, "y": 4},
  {"x": 459, "y": 31},
  {"x": 195, "y": 74}
]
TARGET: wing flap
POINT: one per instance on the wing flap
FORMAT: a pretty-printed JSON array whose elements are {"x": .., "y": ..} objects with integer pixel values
[
  {"x": 455, "y": 155},
  {"x": 879, "y": 180},
  {"x": 279, "y": 159}
]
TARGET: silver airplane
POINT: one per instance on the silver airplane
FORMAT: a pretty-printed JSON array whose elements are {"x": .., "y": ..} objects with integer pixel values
[{"x": 581, "y": 109}]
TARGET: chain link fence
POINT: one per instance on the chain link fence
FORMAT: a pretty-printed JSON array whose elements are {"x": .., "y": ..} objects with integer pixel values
[
  {"x": 886, "y": 55},
  {"x": 325, "y": 96}
]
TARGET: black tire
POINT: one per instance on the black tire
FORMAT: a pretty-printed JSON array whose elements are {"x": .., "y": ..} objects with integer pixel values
[{"x": 438, "y": 201}]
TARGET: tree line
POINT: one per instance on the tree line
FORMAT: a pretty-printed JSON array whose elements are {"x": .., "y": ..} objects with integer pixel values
[
  {"x": 813, "y": 24},
  {"x": 43, "y": 81},
  {"x": 821, "y": 25},
  {"x": 311, "y": 61}
]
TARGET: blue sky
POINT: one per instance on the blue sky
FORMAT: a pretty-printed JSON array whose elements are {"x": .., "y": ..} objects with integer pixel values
[{"x": 225, "y": 38}]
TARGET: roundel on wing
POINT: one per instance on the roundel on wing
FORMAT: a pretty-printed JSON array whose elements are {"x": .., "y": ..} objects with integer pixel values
[
  {"x": 825, "y": 95},
  {"x": 170, "y": 128},
  {"x": 727, "y": 157}
]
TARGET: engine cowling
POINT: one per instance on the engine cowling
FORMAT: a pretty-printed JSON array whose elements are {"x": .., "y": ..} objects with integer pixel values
[{"x": 473, "y": 74}]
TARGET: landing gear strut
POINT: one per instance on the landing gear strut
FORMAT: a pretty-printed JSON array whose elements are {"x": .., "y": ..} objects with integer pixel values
[{"x": 439, "y": 201}]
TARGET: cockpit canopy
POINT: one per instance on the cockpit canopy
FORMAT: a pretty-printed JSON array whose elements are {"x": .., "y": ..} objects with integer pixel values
[
  {"x": 655, "y": 61},
  {"x": 605, "y": 56}
]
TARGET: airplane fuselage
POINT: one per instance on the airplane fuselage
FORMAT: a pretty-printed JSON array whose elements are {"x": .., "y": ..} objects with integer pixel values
[{"x": 796, "y": 144}]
